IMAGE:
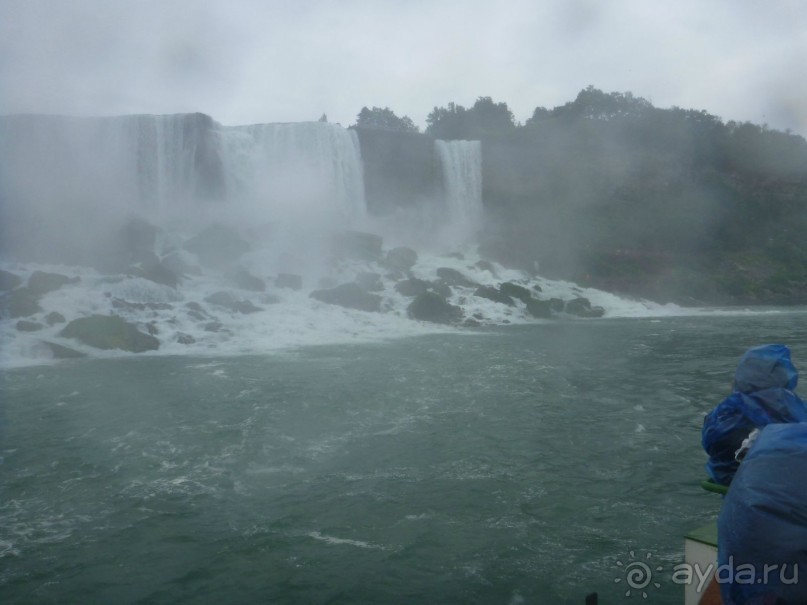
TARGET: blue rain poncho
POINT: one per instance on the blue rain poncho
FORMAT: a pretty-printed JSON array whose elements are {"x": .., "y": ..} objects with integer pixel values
[
  {"x": 762, "y": 527},
  {"x": 763, "y": 394}
]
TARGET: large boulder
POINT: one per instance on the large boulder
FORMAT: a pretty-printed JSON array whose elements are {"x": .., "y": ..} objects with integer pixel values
[
  {"x": 541, "y": 309},
  {"x": 58, "y": 351},
  {"x": 432, "y": 307},
  {"x": 41, "y": 283},
  {"x": 455, "y": 278},
  {"x": 54, "y": 317},
  {"x": 20, "y": 303},
  {"x": 24, "y": 325},
  {"x": 581, "y": 307},
  {"x": 369, "y": 281},
  {"x": 156, "y": 271},
  {"x": 512, "y": 290},
  {"x": 412, "y": 286},
  {"x": 217, "y": 246},
  {"x": 494, "y": 295},
  {"x": 230, "y": 301},
  {"x": 400, "y": 259},
  {"x": 109, "y": 332},
  {"x": 352, "y": 296},
  {"x": 358, "y": 245},
  {"x": 9, "y": 281}
]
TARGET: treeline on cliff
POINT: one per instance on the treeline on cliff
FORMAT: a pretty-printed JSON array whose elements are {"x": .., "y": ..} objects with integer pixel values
[{"x": 674, "y": 204}]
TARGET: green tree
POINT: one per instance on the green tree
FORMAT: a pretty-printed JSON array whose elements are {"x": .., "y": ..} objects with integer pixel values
[
  {"x": 384, "y": 119},
  {"x": 484, "y": 119}
]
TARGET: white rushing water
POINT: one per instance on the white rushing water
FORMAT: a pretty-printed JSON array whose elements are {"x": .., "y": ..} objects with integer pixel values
[{"x": 461, "y": 163}]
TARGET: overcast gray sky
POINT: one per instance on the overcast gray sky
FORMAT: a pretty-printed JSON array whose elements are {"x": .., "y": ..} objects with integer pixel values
[{"x": 245, "y": 61}]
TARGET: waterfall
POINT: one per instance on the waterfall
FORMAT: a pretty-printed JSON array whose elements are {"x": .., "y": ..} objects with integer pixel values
[
  {"x": 461, "y": 163},
  {"x": 296, "y": 170},
  {"x": 164, "y": 165}
]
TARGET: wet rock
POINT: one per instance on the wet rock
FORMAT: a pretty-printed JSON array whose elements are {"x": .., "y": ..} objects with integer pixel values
[
  {"x": 230, "y": 301},
  {"x": 537, "y": 288},
  {"x": 370, "y": 281},
  {"x": 485, "y": 265},
  {"x": 217, "y": 246},
  {"x": 515, "y": 291},
  {"x": 9, "y": 281},
  {"x": 471, "y": 323},
  {"x": 213, "y": 326},
  {"x": 557, "y": 305},
  {"x": 351, "y": 296},
  {"x": 157, "y": 272},
  {"x": 151, "y": 328},
  {"x": 412, "y": 286},
  {"x": 109, "y": 332},
  {"x": 494, "y": 295},
  {"x": 185, "y": 339},
  {"x": 432, "y": 307},
  {"x": 54, "y": 317},
  {"x": 20, "y": 303},
  {"x": 292, "y": 281},
  {"x": 400, "y": 259},
  {"x": 441, "y": 288},
  {"x": 62, "y": 352},
  {"x": 455, "y": 278},
  {"x": 541, "y": 309},
  {"x": 581, "y": 307},
  {"x": 41, "y": 283},
  {"x": 24, "y": 325}
]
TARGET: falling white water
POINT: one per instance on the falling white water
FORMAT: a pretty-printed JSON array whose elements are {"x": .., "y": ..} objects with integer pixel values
[
  {"x": 461, "y": 163},
  {"x": 299, "y": 170},
  {"x": 162, "y": 166}
]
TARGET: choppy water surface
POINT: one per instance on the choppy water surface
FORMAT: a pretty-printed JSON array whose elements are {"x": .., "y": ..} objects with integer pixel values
[{"x": 518, "y": 465}]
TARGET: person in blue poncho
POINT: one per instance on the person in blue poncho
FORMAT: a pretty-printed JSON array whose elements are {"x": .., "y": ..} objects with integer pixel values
[
  {"x": 763, "y": 394},
  {"x": 762, "y": 527}
]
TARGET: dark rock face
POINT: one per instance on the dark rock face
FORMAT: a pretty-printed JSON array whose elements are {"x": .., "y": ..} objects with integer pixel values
[
  {"x": 401, "y": 169},
  {"x": 109, "y": 332},
  {"x": 289, "y": 280},
  {"x": 185, "y": 339},
  {"x": 8, "y": 281},
  {"x": 429, "y": 306},
  {"x": 217, "y": 246},
  {"x": 400, "y": 259},
  {"x": 157, "y": 272},
  {"x": 454, "y": 278},
  {"x": 486, "y": 266},
  {"x": 351, "y": 296},
  {"x": 20, "y": 303},
  {"x": 515, "y": 291},
  {"x": 230, "y": 301},
  {"x": 41, "y": 283},
  {"x": 412, "y": 287},
  {"x": 494, "y": 295},
  {"x": 369, "y": 281},
  {"x": 541, "y": 309},
  {"x": 581, "y": 307},
  {"x": 54, "y": 317},
  {"x": 246, "y": 281},
  {"x": 357, "y": 245},
  {"x": 24, "y": 325}
]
